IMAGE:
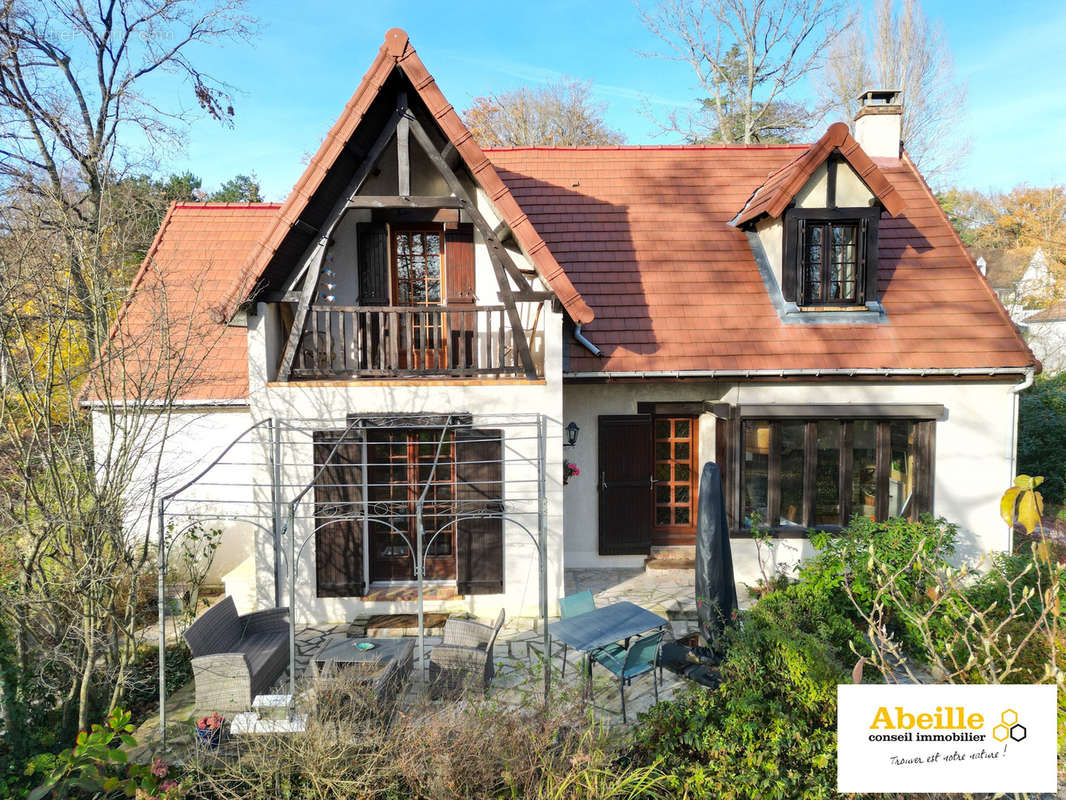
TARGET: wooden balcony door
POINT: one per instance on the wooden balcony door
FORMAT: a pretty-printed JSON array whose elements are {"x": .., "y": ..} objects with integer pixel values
[{"x": 418, "y": 281}]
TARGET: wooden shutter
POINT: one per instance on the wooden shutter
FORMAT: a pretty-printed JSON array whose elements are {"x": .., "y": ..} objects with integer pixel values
[
  {"x": 338, "y": 515},
  {"x": 460, "y": 279},
  {"x": 868, "y": 247},
  {"x": 479, "y": 488},
  {"x": 625, "y": 474},
  {"x": 460, "y": 290},
  {"x": 373, "y": 245},
  {"x": 791, "y": 258}
]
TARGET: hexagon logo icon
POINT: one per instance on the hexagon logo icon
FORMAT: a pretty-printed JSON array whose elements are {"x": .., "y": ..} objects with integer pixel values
[
  {"x": 1009, "y": 717},
  {"x": 1001, "y": 733},
  {"x": 1017, "y": 732}
]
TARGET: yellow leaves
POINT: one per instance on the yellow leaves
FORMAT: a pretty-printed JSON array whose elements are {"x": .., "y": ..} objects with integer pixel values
[{"x": 1022, "y": 504}]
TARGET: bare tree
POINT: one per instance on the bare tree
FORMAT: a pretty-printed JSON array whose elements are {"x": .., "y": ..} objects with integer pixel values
[
  {"x": 71, "y": 600},
  {"x": 72, "y": 78},
  {"x": 749, "y": 58},
  {"x": 561, "y": 114},
  {"x": 900, "y": 48}
]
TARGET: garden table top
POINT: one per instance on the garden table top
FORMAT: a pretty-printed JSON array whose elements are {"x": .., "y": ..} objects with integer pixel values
[
  {"x": 385, "y": 652},
  {"x": 606, "y": 625}
]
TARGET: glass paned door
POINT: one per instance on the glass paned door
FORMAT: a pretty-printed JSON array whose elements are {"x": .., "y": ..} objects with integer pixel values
[
  {"x": 400, "y": 465},
  {"x": 419, "y": 277}
]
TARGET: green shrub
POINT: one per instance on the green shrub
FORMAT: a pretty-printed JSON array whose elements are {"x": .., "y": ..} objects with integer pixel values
[
  {"x": 768, "y": 731},
  {"x": 1041, "y": 433}
]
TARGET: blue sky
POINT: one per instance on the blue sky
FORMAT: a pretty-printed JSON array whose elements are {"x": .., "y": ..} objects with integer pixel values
[{"x": 296, "y": 76}]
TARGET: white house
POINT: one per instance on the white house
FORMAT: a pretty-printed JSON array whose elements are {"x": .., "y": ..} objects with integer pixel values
[{"x": 804, "y": 315}]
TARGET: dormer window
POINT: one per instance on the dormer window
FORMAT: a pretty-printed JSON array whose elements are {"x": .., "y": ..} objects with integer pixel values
[
  {"x": 830, "y": 258},
  {"x": 832, "y": 262}
]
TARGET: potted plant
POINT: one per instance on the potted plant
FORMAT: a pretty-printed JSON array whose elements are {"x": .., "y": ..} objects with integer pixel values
[{"x": 209, "y": 730}]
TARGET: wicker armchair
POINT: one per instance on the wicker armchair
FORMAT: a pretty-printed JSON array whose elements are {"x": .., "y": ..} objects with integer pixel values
[
  {"x": 465, "y": 655},
  {"x": 236, "y": 657}
]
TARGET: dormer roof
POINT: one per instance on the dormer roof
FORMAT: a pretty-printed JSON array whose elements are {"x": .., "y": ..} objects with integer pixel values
[{"x": 780, "y": 188}]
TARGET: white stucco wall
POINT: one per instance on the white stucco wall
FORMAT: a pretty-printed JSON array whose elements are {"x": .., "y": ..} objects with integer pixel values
[
  {"x": 165, "y": 451},
  {"x": 974, "y": 453},
  {"x": 329, "y": 403}
]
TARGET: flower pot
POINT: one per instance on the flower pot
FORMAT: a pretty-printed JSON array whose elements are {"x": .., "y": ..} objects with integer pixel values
[{"x": 206, "y": 737}]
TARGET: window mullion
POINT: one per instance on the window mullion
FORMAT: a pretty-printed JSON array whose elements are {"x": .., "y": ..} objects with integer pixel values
[
  {"x": 827, "y": 259},
  {"x": 810, "y": 472},
  {"x": 845, "y": 473},
  {"x": 773, "y": 477},
  {"x": 884, "y": 452}
]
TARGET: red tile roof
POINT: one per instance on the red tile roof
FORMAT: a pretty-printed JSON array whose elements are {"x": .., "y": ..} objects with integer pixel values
[
  {"x": 777, "y": 192},
  {"x": 169, "y": 341},
  {"x": 397, "y": 53},
  {"x": 644, "y": 234}
]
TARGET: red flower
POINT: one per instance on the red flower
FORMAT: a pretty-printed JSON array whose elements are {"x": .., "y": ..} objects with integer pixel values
[{"x": 159, "y": 768}]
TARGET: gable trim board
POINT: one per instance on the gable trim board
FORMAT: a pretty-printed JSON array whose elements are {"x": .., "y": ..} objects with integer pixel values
[{"x": 397, "y": 53}]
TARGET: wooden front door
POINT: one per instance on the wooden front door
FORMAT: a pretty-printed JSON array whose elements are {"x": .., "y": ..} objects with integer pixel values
[
  {"x": 400, "y": 464},
  {"x": 625, "y": 484}
]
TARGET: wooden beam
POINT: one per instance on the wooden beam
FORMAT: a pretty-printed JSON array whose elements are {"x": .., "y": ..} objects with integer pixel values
[
  {"x": 386, "y": 201},
  {"x": 403, "y": 151},
  {"x": 502, "y": 231},
  {"x": 521, "y": 342},
  {"x": 280, "y": 297},
  {"x": 311, "y": 261},
  {"x": 450, "y": 155}
]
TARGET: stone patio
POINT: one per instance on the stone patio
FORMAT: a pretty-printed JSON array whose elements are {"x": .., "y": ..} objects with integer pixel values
[{"x": 519, "y": 651}]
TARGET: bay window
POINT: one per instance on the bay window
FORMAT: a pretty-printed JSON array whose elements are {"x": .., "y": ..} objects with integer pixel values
[{"x": 797, "y": 474}]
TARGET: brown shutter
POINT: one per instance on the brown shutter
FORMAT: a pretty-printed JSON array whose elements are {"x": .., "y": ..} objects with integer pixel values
[
  {"x": 791, "y": 258},
  {"x": 460, "y": 279},
  {"x": 624, "y": 480},
  {"x": 868, "y": 248},
  {"x": 479, "y": 489},
  {"x": 338, "y": 515},
  {"x": 373, "y": 245},
  {"x": 460, "y": 290}
]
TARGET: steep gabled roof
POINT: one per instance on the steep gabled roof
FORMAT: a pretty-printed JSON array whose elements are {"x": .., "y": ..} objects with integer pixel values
[
  {"x": 168, "y": 342},
  {"x": 645, "y": 235},
  {"x": 397, "y": 53},
  {"x": 773, "y": 197}
]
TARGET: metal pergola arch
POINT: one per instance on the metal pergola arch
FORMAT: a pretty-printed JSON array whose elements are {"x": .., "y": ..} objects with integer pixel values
[{"x": 281, "y": 522}]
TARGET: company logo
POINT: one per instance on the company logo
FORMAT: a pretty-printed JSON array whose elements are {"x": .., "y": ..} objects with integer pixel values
[
  {"x": 1009, "y": 727},
  {"x": 946, "y": 738}
]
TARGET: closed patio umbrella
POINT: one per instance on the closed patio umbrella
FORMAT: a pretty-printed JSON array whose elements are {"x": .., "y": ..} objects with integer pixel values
[{"x": 716, "y": 593}]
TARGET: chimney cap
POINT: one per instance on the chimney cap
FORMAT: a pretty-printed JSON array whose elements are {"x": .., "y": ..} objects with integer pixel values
[{"x": 880, "y": 98}]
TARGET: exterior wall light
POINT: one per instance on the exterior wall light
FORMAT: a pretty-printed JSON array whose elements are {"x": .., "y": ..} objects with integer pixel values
[{"x": 572, "y": 431}]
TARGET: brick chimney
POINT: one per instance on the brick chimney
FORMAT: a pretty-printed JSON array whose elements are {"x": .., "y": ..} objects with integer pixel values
[{"x": 879, "y": 123}]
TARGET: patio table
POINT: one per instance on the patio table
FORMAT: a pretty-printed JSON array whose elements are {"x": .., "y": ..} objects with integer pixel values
[
  {"x": 386, "y": 666},
  {"x": 592, "y": 630}
]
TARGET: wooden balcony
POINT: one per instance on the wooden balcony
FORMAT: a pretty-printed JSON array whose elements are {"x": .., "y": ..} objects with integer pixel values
[{"x": 407, "y": 342}]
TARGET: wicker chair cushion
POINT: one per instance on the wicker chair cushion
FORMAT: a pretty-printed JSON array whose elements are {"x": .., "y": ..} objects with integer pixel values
[
  {"x": 217, "y": 630},
  {"x": 261, "y": 649}
]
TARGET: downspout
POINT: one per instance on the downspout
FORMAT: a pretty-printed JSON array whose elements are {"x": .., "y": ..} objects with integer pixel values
[
  {"x": 579, "y": 337},
  {"x": 1016, "y": 391}
]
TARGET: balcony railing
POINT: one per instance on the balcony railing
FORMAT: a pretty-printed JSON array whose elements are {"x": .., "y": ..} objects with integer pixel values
[{"x": 406, "y": 341}]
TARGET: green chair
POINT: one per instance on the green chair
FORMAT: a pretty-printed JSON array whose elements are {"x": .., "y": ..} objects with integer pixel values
[
  {"x": 581, "y": 603},
  {"x": 639, "y": 658}
]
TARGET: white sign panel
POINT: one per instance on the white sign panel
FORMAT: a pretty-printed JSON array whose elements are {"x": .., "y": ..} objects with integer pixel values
[{"x": 941, "y": 738}]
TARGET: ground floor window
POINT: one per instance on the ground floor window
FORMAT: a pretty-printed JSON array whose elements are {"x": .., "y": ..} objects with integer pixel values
[
  {"x": 798, "y": 474},
  {"x": 368, "y": 483},
  {"x": 400, "y": 469}
]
